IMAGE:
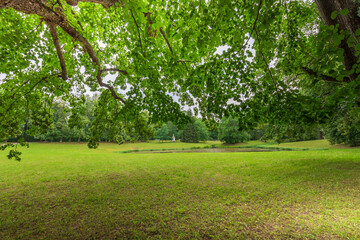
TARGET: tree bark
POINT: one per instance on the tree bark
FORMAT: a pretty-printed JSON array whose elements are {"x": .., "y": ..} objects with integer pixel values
[{"x": 350, "y": 22}]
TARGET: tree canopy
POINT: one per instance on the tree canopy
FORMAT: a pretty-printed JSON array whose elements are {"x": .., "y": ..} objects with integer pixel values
[{"x": 285, "y": 61}]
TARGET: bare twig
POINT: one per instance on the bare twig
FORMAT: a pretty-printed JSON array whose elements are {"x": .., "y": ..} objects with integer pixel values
[
  {"x": 167, "y": 41},
  {"x": 263, "y": 57},
  {"x": 137, "y": 26},
  {"x": 59, "y": 3},
  {"x": 81, "y": 26},
  {"x": 21, "y": 95},
  {"x": 37, "y": 27},
  {"x": 254, "y": 25},
  {"x": 184, "y": 63}
]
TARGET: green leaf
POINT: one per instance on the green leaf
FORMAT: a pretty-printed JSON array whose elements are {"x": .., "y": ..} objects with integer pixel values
[
  {"x": 334, "y": 15},
  {"x": 351, "y": 41},
  {"x": 344, "y": 12},
  {"x": 357, "y": 47}
]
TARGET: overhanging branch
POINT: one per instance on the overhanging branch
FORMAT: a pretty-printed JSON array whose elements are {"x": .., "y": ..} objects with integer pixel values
[
  {"x": 90, "y": 51},
  {"x": 58, "y": 50},
  {"x": 324, "y": 77}
]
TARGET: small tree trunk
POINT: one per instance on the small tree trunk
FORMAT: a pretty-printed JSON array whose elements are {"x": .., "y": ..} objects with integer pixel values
[
  {"x": 78, "y": 139},
  {"x": 61, "y": 139},
  {"x": 70, "y": 139}
]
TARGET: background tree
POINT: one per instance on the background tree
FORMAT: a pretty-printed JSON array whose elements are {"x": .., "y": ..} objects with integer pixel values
[
  {"x": 60, "y": 130},
  {"x": 344, "y": 128},
  {"x": 229, "y": 131},
  {"x": 139, "y": 129},
  {"x": 166, "y": 131},
  {"x": 163, "y": 133},
  {"x": 195, "y": 131},
  {"x": 291, "y": 133}
]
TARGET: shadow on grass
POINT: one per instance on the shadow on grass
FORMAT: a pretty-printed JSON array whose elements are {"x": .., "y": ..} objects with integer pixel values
[{"x": 236, "y": 200}]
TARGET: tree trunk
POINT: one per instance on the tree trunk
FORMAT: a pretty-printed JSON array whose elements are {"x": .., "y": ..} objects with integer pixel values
[
  {"x": 70, "y": 139},
  {"x": 61, "y": 139},
  {"x": 78, "y": 139},
  {"x": 350, "y": 22}
]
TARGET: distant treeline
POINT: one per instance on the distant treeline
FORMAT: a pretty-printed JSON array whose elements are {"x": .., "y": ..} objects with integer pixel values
[{"x": 66, "y": 127}]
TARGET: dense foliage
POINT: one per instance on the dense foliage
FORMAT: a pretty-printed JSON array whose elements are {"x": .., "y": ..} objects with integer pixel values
[
  {"x": 166, "y": 131},
  {"x": 344, "y": 128},
  {"x": 195, "y": 131},
  {"x": 79, "y": 127},
  {"x": 229, "y": 131},
  {"x": 291, "y": 133}
]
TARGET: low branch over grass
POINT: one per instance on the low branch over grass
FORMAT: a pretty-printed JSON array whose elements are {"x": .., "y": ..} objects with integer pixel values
[{"x": 58, "y": 50}]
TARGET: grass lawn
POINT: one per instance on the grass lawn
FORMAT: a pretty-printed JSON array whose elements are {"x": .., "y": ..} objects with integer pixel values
[{"x": 66, "y": 191}]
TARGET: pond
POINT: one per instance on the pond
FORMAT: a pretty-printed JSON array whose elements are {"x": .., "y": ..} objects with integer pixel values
[{"x": 215, "y": 150}]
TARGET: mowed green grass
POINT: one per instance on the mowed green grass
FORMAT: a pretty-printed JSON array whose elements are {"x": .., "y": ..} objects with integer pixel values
[{"x": 66, "y": 191}]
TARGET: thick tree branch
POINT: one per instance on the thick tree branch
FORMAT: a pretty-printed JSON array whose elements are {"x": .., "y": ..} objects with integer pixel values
[
  {"x": 90, "y": 51},
  {"x": 59, "y": 51},
  {"x": 41, "y": 8},
  {"x": 29, "y": 6},
  {"x": 105, "y": 3},
  {"x": 324, "y": 77}
]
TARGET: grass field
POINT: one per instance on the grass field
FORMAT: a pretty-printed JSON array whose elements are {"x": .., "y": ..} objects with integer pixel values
[{"x": 66, "y": 191}]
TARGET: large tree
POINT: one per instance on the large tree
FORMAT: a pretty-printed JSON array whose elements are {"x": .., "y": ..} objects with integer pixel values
[{"x": 287, "y": 61}]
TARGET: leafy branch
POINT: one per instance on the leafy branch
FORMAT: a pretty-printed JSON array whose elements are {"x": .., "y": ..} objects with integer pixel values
[
  {"x": 265, "y": 61},
  {"x": 137, "y": 26},
  {"x": 324, "y": 77},
  {"x": 167, "y": 41}
]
